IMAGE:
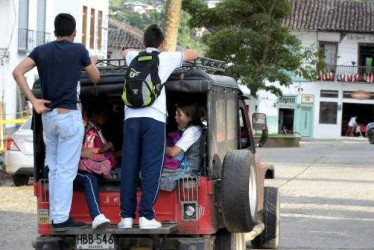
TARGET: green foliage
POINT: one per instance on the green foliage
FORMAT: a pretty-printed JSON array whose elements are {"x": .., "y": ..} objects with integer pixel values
[
  {"x": 116, "y": 4},
  {"x": 142, "y": 21},
  {"x": 185, "y": 35},
  {"x": 250, "y": 37}
]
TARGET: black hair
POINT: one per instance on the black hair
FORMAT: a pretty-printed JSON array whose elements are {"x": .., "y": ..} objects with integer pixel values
[
  {"x": 193, "y": 111},
  {"x": 153, "y": 36},
  {"x": 64, "y": 24}
]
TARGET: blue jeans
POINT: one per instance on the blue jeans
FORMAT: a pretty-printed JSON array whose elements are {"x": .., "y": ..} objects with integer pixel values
[
  {"x": 63, "y": 136},
  {"x": 91, "y": 190},
  {"x": 143, "y": 150}
]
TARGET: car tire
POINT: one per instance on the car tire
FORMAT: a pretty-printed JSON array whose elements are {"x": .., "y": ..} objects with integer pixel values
[
  {"x": 371, "y": 137},
  {"x": 226, "y": 240},
  {"x": 239, "y": 191},
  {"x": 20, "y": 179},
  {"x": 269, "y": 238}
]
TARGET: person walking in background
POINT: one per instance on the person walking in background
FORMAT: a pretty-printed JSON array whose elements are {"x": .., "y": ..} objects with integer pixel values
[
  {"x": 59, "y": 65},
  {"x": 144, "y": 132},
  {"x": 351, "y": 126}
]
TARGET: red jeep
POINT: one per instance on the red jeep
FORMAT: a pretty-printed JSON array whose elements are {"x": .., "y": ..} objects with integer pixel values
[{"x": 227, "y": 207}]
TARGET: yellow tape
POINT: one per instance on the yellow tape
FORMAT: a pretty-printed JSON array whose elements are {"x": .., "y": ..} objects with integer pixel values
[{"x": 16, "y": 121}]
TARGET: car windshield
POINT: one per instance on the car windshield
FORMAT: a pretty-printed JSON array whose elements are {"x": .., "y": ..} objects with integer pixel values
[{"x": 27, "y": 124}]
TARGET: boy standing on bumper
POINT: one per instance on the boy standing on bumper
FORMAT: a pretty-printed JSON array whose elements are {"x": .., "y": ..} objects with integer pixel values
[
  {"x": 59, "y": 66},
  {"x": 144, "y": 137}
]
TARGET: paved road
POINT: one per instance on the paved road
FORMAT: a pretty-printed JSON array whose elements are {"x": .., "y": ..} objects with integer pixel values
[{"x": 330, "y": 205}]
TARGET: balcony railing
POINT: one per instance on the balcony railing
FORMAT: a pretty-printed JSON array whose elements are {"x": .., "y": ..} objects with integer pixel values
[
  {"x": 42, "y": 37},
  {"x": 341, "y": 73},
  {"x": 26, "y": 40}
]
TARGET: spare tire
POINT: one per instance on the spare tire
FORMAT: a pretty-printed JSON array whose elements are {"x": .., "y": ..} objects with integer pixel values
[
  {"x": 269, "y": 238},
  {"x": 239, "y": 191}
]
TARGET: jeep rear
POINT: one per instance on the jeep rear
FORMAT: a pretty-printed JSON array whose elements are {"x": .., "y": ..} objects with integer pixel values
[{"x": 224, "y": 208}]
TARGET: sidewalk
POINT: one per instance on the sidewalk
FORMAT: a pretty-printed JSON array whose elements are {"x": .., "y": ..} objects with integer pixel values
[{"x": 342, "y": 138}]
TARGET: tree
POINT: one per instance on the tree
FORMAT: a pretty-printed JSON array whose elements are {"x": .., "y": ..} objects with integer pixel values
[
  {"x": 142, "y": 21},
  {"x": 173, "y": 14},
  {"x": 249, "y": 36},
  {"x": 186, "y": 36}
]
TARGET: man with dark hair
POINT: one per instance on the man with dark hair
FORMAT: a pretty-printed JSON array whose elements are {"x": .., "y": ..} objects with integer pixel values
[
  {"x": 59, "y": 66},
  {"x": 144, "y": 136}
]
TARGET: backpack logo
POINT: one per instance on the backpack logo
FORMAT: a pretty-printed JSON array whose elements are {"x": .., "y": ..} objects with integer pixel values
[
  {"x": 133, "y": 73},
  {"x": 142, "y": 82}
]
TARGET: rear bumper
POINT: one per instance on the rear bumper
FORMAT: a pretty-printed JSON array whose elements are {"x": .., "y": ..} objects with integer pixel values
[
  {"x": 167, "y": 228},
  {"x": 18, "y": 163}
]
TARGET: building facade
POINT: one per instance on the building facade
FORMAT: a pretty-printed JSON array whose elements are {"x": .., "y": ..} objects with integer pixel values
[
  {"x": 29, "y": 23},
  {"x": 345, "y": 85}
]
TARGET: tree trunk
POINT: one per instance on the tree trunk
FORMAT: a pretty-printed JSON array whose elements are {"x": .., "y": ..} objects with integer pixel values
[{"x": 173, "y": 14}]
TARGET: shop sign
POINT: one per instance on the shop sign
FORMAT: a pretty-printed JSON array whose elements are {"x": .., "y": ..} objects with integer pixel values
[
  {"x": 361, "y": 95},
  {"x": 361, "y": 37},
  {"x": 307, "y": 99}
]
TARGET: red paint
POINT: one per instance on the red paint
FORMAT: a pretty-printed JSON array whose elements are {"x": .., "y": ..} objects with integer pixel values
[{"x": 167, "y": 207}]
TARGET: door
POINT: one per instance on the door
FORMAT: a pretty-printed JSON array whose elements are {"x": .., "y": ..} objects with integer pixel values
[{"x": 306, "y": 122}]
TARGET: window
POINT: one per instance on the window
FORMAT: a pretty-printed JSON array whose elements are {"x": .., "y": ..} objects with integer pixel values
[
  {"x": 92, "y": 29},
  {"x": 287, "y": 100},
  {"x": 348, "y": 95},
  {"x": 330, "y": 93},
  {"x": 243, "y": 132},
  {"x": 221, "y": 126},
  {"x": 328, "y": 112},
  {"x": 84, "y": 25},
  {"x": 230, "y": 124},
  {"x": 100, "y": 29},
  {"x": 25, "y": 36},
  {"x": 40, "y": 24},
  {"x": 23, "y": 14},
  {"x": 330, "y": 52}
]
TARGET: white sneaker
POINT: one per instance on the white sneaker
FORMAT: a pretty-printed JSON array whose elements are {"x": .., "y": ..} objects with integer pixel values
[
  {"x": 125, "y": 223},
  {"x": 100, "y": 222},
  {"x": 144, "y": 223}
]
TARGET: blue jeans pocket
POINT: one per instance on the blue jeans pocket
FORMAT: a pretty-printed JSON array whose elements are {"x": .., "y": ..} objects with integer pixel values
[{"x": 67, "y": 125}]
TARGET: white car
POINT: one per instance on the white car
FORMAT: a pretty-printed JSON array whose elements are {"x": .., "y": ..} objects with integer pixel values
[{"x": 19, "y": 154}]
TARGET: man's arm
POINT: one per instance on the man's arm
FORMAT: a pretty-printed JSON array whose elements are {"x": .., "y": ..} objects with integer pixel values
[
  {"x": 190, "y": 55},
  {"x": 92, "y": 72},
  {"x": 173, "y": 151},
  {"x": 19, "y": 75}
]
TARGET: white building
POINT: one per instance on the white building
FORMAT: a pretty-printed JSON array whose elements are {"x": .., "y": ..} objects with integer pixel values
[
  {"x": 212, "y": 3},
  {"x": 137, "y": 7},
  {"x": 345, "y": 87},
  {"x": 29, "y": 23}
]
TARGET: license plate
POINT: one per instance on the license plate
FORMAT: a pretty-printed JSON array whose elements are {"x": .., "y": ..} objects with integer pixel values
[
  {"x": 95, "y": 241},
  {"x": 43, "y": 216}
]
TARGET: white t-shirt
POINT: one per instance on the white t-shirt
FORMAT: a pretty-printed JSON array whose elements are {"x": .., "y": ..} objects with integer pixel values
[
  {"x": 169, "y": 61},
  {"x": 189, "y": 137},
  {"x": 352, "y": 122}
]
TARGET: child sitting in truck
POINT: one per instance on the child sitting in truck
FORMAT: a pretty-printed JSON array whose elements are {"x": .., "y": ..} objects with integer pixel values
[
  {"x": 103, "y": 159},
  {"x": 183, "y": 158}
]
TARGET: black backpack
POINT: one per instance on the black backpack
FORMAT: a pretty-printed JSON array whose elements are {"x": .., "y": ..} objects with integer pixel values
[{"x": 142, "y": 82}]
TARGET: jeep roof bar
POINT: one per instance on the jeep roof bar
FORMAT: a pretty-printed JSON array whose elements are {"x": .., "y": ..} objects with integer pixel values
[{"x": 113, "y": 66}]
